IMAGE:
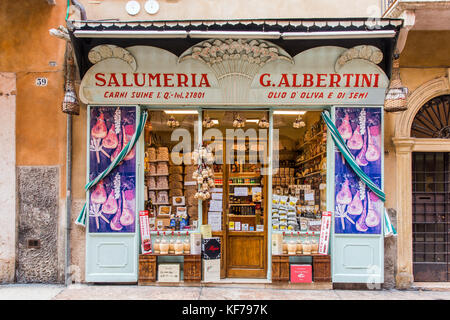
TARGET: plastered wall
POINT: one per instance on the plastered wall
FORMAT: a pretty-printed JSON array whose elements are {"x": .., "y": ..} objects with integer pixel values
[
  {"x": 233, "y": 9},
  {"x": 28, "y": 52}
]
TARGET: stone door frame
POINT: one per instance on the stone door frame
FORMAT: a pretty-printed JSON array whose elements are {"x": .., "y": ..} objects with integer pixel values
[{"x": 405, "y": 145}]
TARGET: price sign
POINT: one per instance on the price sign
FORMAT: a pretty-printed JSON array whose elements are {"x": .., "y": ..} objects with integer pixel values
[{"x": 325, "y": 232}]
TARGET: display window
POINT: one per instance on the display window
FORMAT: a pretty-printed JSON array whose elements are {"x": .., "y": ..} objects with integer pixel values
[
  {"x": 299, "y": 179},
  {"x": 170, "y": 189}
]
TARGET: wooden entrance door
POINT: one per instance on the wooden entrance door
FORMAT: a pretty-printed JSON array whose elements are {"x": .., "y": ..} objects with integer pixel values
[
  {"x": 431, "y": 216},
  {"x": 244, "y": 247}
]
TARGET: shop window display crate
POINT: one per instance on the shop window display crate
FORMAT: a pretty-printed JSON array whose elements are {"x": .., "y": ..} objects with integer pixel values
[
  {"x": 321, "y": 265},
  {"x": 148, "y": 264}
]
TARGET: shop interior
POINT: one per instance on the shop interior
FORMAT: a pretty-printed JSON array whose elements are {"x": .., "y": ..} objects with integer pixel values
[{"x": 235, "y": 185}]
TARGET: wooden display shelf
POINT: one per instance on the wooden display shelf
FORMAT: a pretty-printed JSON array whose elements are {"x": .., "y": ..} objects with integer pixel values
[
  {"x": 243, "y": 204},
  {"x": 311, "y": 174},
  {"x": 311, "y": 139},
  {"x": 321, "y": 266},
  {"x": 241, "y": 215},
  {"x": 297, "y": 163},
  {"x": 148, "y": 266},
  {"x": 244, "y": 184}
]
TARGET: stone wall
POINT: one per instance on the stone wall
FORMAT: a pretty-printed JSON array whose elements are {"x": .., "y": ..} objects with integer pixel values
[
  {"x": 390, "y": 254},
  {"x": 38, "y": 190}
]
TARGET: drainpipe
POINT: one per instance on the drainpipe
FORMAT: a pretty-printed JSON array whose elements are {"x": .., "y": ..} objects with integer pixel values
[
  {"x": 81, "y": 8},
  {"x": 68, "y": 272}
]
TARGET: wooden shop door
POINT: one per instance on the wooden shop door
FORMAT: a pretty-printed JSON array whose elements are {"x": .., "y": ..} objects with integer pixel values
[{"x": 244, "y": 218}]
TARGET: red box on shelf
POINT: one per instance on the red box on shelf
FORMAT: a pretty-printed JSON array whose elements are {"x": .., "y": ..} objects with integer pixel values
[{"x": 301, "y": 273}]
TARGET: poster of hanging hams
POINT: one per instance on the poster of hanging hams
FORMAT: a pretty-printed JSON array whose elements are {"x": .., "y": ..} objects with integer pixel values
[
  {"x": 358, "y": 210},
  {"x": 112, "y": 202}
]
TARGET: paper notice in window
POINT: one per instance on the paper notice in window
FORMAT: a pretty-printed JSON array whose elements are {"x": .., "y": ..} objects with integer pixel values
[
  {"x": 216, "y": 196},
  {"x": 215, "y": 205},
  {"x": 256, "y": 190},
  {"x": 215, "y": 220},
  {"x": 309, "y": 195},
  {"x": 240, "y": 192}
]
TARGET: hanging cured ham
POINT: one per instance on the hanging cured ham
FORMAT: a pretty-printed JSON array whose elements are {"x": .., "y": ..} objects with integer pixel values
[
  {"x": 110, "y": 206},
  {"x": 345, "y": 129},
  {"x": 344, "y": 196},
  {"x": 373, "y": 150},
  {"x": 127, "y": 217},
  {"x": 98, "y": 196},
  {"x": 99, "y": 130},
  {"x": 373, "y": 216},
  {"x": 361, "y": 157},
  {"x": 356, "y": 141},
  {"x": 128, "y": 132},
  {"x": 118, "y": 149},
  {"x": 361, "y": 223},
  {"x": 356, "y": 206},
  {"x": 115, "y": 222},
  {"x": 111, "y": 141}
]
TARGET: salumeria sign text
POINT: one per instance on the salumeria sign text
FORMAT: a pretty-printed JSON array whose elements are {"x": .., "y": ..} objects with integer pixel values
[{"x": 168, "y": 86}]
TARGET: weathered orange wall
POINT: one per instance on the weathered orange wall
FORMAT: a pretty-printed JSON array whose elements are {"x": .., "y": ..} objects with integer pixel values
[{"x": 26, "y": 48}]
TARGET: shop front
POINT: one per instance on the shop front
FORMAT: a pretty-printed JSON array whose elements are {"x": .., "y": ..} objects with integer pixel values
[{"x": 268, "y": 149}]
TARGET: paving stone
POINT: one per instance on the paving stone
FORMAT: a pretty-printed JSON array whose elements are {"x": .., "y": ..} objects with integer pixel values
[{"x": 134, "y": 292}]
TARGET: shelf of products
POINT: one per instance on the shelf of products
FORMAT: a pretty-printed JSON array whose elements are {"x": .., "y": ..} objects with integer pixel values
[{"x": 169, "y": 200}]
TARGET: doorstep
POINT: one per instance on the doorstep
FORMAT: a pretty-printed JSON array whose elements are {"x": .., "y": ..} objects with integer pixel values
[
  {"x": 247, "y": 283},
  {"x": 431, "y": 286}
]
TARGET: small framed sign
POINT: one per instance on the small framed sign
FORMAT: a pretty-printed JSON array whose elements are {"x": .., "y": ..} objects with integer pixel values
[
  {"x": 169, "y": 272},
  {"x": 211, "y": 248}
]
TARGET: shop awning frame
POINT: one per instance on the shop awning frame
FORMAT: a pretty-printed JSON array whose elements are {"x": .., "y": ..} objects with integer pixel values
[{"x": 294, "y": 35}]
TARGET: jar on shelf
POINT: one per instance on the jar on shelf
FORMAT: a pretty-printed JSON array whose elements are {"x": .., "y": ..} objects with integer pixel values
[
  {"x": 285, "y": 246},
  {"x": 314, "y": 246},
  {"x": 157, "y": 244},
  {"x": 164, "y": 246},
  {"x": 299, "y": 247},
  {"x": 172, "y": 245},
  {"x": 186, "y": 245},
  {"x": 178, "y": 246},
  {"x": 306, "y": 247},
  {"x": 292, "y": 247}
]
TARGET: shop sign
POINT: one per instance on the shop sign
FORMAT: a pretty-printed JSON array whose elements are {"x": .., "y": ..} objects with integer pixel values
[{"x": 239, "y": 72}]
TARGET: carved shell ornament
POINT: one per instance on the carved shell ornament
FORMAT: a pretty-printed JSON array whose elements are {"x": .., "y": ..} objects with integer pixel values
[
  {"x": 364, "y": 52},
  {"x": 106, "y": 51},
  {"x": 235, "y": 56},
  {"x": 235, "y": 62}
]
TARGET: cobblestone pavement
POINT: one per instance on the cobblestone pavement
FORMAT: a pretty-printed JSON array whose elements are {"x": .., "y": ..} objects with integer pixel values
[{"x": 133, "y": 292}]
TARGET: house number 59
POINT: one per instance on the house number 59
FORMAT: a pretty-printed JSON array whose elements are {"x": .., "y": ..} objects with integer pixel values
[{"x": 41, "y": 82}]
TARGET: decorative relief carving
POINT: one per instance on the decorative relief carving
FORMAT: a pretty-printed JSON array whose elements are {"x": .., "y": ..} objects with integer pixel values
[
  {"x": 106, "y": 51},
  {"x": 235, "y": 62},
  {"x": 365, "y": 52}
]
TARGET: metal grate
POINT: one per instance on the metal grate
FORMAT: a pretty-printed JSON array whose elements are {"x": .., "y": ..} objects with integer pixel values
[
  {"x": 433, "y": 119},
  {"x": 431, "y": 217}
]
